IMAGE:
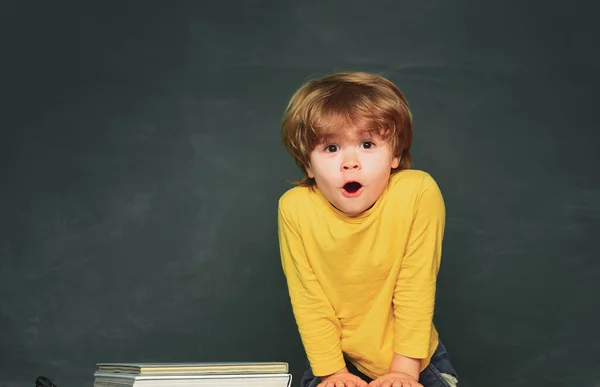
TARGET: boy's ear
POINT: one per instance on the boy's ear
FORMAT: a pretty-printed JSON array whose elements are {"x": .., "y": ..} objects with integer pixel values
[
  {"x": 309, "y": 172},
  {"x": 395, "y": 162}
]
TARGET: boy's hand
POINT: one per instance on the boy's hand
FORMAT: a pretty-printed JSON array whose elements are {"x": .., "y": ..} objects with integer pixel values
[
  {"x": 342, "y": 379},
  {"x": 395, "y": 379}
]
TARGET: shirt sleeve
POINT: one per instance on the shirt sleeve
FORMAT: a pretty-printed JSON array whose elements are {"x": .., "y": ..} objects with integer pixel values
[
  {"x": 317, "y": 323},
  {"x": 414, "y": 294}
]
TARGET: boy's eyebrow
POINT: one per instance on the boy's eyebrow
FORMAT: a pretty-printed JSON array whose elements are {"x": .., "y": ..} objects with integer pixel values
[
  {"x": 330, "y": 137},
  {"x": 336, "y": 137},
  {"x": 368, "y": 133}
]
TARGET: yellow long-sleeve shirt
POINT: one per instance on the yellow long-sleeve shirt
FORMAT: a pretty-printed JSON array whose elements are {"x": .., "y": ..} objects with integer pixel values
[{"x": 364, "y": 286}]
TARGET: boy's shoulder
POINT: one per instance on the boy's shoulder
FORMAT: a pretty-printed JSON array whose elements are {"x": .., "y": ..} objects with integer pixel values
[
  {"x": 295, "y": 197},
  {"x": 412, "y": 179}
]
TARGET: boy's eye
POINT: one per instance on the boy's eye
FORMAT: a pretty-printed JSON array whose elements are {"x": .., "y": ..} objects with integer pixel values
[
  {"x": 331, "y": 148},
  {"x": 368, "y": 144}
]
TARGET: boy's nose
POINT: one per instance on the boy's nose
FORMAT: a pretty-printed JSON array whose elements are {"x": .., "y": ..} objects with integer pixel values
[{"x": 350, "y": 164}]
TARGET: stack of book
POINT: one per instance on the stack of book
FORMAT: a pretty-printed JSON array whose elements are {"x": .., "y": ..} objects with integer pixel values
[{"x": 275, "y": 374}]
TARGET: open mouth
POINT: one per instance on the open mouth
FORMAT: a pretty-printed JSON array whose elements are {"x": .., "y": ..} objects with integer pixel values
[{"x": 352, "y": 187}]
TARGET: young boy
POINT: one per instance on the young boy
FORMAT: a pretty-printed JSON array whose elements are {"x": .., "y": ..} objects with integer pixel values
[{"x": 361, "y": 238}]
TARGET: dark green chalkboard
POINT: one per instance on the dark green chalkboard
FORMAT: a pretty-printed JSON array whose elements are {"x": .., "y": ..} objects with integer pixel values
[{"x": 141, "y": 166}]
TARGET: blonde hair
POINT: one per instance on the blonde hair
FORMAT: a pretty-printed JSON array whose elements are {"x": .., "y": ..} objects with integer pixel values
[{"x": 323, "y": 105}]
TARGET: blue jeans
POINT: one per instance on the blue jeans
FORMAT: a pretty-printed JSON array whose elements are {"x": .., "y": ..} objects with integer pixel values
[{"x": 439, "y": 372}]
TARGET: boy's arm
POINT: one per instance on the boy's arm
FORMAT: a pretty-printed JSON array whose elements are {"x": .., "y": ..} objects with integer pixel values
[
  {"x": 318, "y": 326},
  {"x": 414, "y": 295}
]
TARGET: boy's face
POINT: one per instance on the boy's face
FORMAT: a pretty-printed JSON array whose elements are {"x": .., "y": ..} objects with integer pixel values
[{"x": 352, "y": 169}]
